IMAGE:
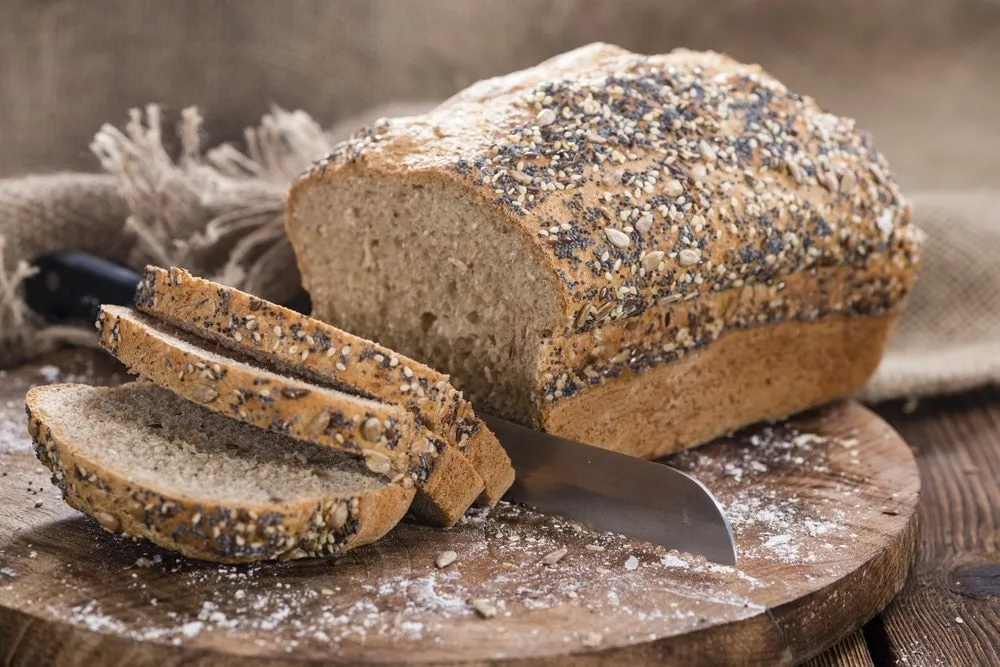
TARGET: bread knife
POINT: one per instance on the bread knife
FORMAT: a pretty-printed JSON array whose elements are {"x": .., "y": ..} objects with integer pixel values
[
  {"x": 611, "y": 491},
  {"x": 596, "y": 487}
]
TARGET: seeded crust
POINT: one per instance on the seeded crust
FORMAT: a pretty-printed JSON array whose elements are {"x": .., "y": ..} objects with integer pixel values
[
  {"x": 227, "y": 532},
  {"x": 649, "y": 209},
  {"x": 387, "y": 436},
  {"x": 323, "y": 353}
]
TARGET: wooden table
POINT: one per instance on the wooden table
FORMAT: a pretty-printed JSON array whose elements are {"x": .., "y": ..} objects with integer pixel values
[{"x": 949, "y": 612}]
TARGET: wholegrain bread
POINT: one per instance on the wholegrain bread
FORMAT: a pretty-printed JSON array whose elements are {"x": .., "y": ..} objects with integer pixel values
[
  {"x": 640, "y": 252},
  {"x": 320, "y": 352},
  {"x": 145, "y": 463},
  {"x": 388, "y": 438}
]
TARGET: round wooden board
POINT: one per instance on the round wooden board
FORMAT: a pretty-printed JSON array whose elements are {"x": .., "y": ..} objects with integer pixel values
[{"x": 823, "y": 509}]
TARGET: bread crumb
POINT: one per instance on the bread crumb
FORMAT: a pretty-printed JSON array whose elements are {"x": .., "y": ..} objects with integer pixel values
[
  {"x": 446, "y": 558},
  {"x": 554, "y": 557},
  {"x": 484, "y": 608},
  {"x": 632, "y": 563},
  {"x": 594, "y": 547},
  {"x": 593, "y": 639}
]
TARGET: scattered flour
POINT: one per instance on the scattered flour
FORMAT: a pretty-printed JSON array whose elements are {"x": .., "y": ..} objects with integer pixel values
[{"x": 375, "y": 597}]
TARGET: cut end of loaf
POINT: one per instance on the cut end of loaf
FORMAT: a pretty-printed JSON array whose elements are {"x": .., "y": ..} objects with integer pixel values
[
  {"x": 439, "y": 281},
  {"x": 149, "y": 464}
]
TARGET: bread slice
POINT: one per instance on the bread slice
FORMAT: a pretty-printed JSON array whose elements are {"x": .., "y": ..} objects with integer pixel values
[
  {"x": 389, "y": 439},
  {"x": 320, "y": 352},
  {"x": 639, "y": 252},
  {"x": 146, "y": 463}
]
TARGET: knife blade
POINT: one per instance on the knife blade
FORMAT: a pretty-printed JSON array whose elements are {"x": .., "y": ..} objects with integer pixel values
[
  {"x": 612, "y": 491},
  {"x": 607, "y": 490}
]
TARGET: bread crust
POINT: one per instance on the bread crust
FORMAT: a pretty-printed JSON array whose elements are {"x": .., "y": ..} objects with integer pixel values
[
  {"x": 670, "y": 200},
  {"x": 760, "y": 373},
  {"x": 387, "y": 436},
  {"x": 208, "y": 530},
  {"x": 325, "y": 353}
]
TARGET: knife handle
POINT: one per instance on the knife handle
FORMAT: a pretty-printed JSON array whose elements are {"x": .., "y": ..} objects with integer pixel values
[{"x": 71, "y": 286}]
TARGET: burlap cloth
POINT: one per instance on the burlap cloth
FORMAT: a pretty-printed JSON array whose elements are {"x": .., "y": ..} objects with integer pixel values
[{"x": 167, "y": 187}]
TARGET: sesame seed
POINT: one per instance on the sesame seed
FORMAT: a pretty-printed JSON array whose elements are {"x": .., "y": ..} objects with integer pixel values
[
  {"x": 617, "y": 237},
  {"x": 688, "y": 257},
  {"x": 520, "y": 177},
  {"x": 707, "y": 150},
  {"x": 277, "y": 331},
  {"x": 644, "y": 223},
  {"x": 378, "y": 462},
  {"x": 884, "y": 222},
  {"x": 673, "y": 188},
  {"x": 340, "y": 367},
  {"x": 407, "y": 372},
  {"x": 393, "y": 362},
  {"x": 848, "y": 182},
  {"x": 651, "y": 261},
  {"x": 371, "y": 430},
  {"x": 545, "y": 117},
  {"x": 204, "y": 394}
]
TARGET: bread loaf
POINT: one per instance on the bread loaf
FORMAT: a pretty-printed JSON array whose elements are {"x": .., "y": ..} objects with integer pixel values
[
  {"x": 319, "y": 352},
  {"x": 146, "y": 463},
  {"x": 640, "y": 252},
  {"x": 388, "y": 438}
]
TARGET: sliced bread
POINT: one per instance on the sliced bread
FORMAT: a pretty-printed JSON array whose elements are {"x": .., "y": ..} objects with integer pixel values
[
  {"x": 391, "y": 441},
  {"x": 321, "y": 352},
  {"x": 146, "y": 463}
]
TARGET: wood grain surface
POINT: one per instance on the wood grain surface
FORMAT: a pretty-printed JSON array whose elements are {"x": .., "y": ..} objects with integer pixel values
[
  {"x": 949, "y": 612},
  {"x": 822, "y": 508},
  {"x": 852, "y": 652}
]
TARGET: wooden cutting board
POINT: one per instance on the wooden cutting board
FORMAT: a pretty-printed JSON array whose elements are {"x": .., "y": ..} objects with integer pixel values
[{"x": 823, "y": 509}]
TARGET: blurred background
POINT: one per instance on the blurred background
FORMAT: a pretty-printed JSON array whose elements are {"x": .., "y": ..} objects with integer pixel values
[{"x": 923, "y": 75}]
